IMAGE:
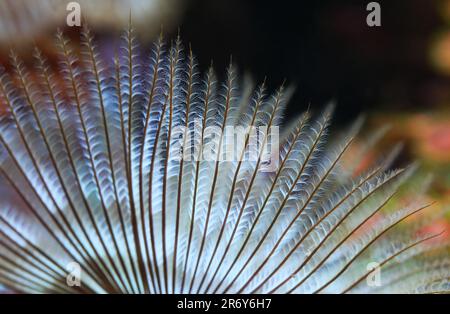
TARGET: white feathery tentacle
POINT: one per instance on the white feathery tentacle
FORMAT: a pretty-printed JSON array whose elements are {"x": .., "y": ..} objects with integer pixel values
[{"x": 153, "y": 178}]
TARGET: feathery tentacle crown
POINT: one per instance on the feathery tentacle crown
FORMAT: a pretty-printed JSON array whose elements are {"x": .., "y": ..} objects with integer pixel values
[{"x": 113, "y": 192}]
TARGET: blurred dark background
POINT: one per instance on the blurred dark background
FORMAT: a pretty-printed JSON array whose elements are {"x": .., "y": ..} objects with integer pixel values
[{"x": 326, "y": 49}]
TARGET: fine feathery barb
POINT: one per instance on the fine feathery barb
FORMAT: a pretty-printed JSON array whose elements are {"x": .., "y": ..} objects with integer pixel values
[{"x": 139, "y": 174}]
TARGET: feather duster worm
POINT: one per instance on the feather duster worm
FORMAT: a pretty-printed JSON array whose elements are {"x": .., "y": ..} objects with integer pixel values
[{"x": 114, "y": 192}]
